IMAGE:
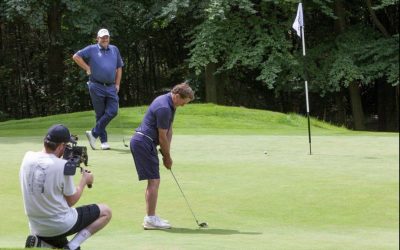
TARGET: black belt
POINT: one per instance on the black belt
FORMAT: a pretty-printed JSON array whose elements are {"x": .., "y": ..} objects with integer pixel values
[{"x": 104, "y": 84}]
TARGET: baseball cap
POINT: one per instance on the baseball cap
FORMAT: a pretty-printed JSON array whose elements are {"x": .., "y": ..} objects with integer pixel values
[
  {"x": 58, "y": 134},
  {"x": 103, "y": 32}
]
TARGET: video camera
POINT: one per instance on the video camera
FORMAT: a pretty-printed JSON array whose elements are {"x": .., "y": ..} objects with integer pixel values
[{"x": 75, "y": 155}]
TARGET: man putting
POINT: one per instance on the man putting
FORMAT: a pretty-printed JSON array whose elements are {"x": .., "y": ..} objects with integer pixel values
[{"x": 156, "y": 129}]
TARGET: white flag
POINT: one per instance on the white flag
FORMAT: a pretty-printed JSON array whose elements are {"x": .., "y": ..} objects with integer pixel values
[{"x": 298, "y": 22}]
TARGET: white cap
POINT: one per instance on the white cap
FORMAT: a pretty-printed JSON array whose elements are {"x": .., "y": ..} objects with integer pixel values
[{"x": 103, "y": 32}]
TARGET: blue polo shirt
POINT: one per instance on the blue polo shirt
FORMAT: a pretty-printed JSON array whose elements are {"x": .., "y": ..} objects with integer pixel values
[
  {"x": 103, "y": 62},
  {"x": 160, "y": 114}
]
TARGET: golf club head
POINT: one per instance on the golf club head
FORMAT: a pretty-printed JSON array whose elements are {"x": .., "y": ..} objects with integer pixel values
[
  {"x": 123, "y": 140},
  {"x": 203, "y": 225}
]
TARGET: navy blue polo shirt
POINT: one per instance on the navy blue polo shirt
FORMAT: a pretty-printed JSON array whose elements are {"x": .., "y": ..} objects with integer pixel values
[
  {"x": 160, "y": 114},
  {"x": 103, "y": 62}
]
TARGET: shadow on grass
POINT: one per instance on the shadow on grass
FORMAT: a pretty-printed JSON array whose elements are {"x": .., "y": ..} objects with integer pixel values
[
  {"x": 347, "y": 156},
  {"x": 216, "y": 231}
]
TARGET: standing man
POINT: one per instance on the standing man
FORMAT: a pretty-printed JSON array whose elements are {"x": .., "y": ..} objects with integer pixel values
[
  {"x": 49, "y": 195},
  {"x": 156, "y": 129},
  {"x": 103, "y": 64}
]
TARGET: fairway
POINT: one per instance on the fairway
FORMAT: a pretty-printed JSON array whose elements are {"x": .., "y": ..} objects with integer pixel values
[{"x": 344, "y": 196}]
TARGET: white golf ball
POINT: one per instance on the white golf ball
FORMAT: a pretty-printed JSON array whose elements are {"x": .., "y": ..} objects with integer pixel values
[{"x": 265, "y": 152}]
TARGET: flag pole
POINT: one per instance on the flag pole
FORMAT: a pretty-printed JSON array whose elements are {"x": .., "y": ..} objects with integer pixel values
[
  {"x": 298, "y": 25},
  {"x": 306, "y": 84}
]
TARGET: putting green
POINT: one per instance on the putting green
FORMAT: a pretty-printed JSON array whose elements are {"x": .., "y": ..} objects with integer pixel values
[{"x": 344, "y": 196}]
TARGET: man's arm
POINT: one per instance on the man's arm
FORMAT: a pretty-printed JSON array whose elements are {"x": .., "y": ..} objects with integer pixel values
[
  {"x": 165, "y": 147},
  {"x": 169, "y": 135},
  {"x": 82, "y": 63},
  {"x": 118, "y": 77},
  {"x": 87, "y": 178}
]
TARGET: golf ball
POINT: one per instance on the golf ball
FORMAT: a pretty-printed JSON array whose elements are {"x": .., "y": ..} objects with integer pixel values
[{"x": 265, "y": 152}]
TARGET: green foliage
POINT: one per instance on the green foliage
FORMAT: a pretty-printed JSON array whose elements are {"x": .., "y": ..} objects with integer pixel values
[
  {"x": 240, "y": 35},
  {"x": 325, "y": 6},
  {"x": 32, "y": 12},
  {"x": 359, "y": 54},
  {"x": 251, "y": 43},
  {"x": 386, "y": 3},
  {"x": 380, "y": 58}
]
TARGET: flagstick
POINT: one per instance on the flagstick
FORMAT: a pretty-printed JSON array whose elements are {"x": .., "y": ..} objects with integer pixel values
[{"x": 306, "y": 85}]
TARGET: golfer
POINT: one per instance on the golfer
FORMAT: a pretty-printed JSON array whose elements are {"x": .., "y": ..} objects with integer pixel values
[
  {"x": 49, "y": 195},
  {"x": 156, "y": 129},
  {"x": 103, "y": 64}
]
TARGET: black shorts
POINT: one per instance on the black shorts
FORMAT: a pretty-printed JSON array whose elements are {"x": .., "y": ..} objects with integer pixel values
[{"x": 86, "y": 216}]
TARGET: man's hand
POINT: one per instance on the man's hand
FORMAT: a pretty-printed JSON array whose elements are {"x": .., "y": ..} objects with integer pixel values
[
  {"x": 86, "y": 179},
  {"x": 78, "y": 60},
  {"x": 87, "y": 176},
  {"x": 167, "y": 161}
]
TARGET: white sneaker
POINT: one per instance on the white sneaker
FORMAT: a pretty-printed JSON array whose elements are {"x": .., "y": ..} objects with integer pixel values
[
  {"x": 163, "y": 220},
  {"x": 154, "y": 223},
  {"x": 91, "y": 139},
  {"x": 105, "y": 146}
]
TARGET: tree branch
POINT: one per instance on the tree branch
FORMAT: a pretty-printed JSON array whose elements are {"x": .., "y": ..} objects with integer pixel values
[{"x": 375, "y": 19}]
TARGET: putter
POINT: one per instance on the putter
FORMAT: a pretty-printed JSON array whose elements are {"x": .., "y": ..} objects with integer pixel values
[{"x": 201, "y": 225}]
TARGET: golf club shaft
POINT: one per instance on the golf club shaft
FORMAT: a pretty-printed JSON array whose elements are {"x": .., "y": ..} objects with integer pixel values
[
  {"x": 184, "y": 196},
  {"x": 119, "y": 125}
]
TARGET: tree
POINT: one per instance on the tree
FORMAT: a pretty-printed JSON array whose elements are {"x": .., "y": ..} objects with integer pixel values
[{"x": 355, "y": 57}]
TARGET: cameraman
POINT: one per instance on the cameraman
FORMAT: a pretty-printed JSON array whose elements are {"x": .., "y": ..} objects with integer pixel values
[{"x": 49, "y": 196}]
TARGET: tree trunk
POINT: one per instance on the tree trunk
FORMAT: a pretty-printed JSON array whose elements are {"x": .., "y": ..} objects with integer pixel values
[
  {"x": 340, "y": 21},
  {"x": 55, "y": 56},
  {"x": 388, "y": 106},
  {"x": 396, "y": 92},
  {"x": 222, "y": 81},
  {"x": 355, "y": 96},
  {"x": 340, "y": 117},
  {"x": 211, "y": 83},
  {"x": 215, "y": 84},
  {"x": 356, "y": 106},
  {"x": 387, "y": 101}
]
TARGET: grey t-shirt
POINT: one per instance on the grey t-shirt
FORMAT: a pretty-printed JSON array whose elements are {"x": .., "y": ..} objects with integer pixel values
[{"x": 43, "y": 186}]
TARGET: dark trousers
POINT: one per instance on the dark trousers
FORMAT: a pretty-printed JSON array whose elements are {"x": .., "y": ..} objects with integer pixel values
[{"x": 105, "y": 103}]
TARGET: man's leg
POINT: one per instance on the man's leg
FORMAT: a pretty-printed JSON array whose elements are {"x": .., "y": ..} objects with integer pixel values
[
  {"x": 147, "y": 166},
  {"x": 110, "y": 111},
  {"x": 102, "y": 221},
  {"x": 98, "y": 97},
  {"x": 95, "y": 226},
  {"x": 152, "y": 196},
  {"x": 152, "y": 221}
]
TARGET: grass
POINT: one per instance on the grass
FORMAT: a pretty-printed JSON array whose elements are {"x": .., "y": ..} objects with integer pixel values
[
  {"x": 192, "y": 119},
  {"x": 344, "y": 196}
]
